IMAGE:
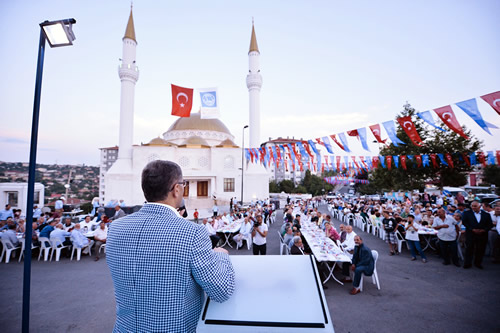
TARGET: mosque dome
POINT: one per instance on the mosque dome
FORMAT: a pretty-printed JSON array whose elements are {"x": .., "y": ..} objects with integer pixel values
[
  {"x": 212, "y": 131},
  {"x": 158, "y": 142}
]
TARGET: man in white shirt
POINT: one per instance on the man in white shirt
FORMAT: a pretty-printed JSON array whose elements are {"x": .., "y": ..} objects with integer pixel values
[
  {"x": 259, "y": 234},
  {"x": 215, "y": 210},
  {"x": 211, "y": 231},
  {"x": 78, "y": 239},
  {"x": 245, "y": 231},
  {"x": 448, "y": 232},
  {"x": 100, "y": 236},
  {"x": 86, "y": 224},
  {"x": 348, "y": 247},
  {"x": 495, "y": 233}
]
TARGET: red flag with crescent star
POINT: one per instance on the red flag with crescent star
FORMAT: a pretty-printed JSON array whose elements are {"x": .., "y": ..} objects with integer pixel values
[
  {"x": 334, "y": 138},
  {"x": 419, "y": 160},
  {"x": 449, "y": 159},
  {"x": 448, "y": 117},
  {"x": 498, "y": 156},
  {"x": 403, "y": 161},
  {"x": 410, "y": 130},
  {"x": 388, "y": 160},
  {"x": 493, "y": 100},
  {"x": 376, "y": 133},
  {"x": 338, "y": 162},
  {"x": 466, "y": 158},
  {"x": 433, "y": 159},
  {"x": 182, "y": 101}
]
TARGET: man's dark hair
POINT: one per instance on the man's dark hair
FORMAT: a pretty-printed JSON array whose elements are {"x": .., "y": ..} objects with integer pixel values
[{"x": 159, "y": 178}]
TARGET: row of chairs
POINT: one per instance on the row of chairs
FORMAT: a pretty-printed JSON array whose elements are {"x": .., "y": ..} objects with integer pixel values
[{"x": 47, "y": 247}]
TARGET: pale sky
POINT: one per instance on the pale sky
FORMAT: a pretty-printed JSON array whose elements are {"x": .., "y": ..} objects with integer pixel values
[{"x": 327, "y": 67}]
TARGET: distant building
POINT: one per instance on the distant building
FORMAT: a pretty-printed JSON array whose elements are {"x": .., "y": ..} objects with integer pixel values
[
  {"x": 108, "y": 157},
  {"x": 16, "y": 195}
]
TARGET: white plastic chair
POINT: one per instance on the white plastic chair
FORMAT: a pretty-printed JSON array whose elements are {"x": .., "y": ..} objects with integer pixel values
[
  {"x": 78, "y": 250},
  {"x": 22, "y": 250},
  {"x": 374, "y": 275},
  {"x": 102, "y": 247},
  {"x": 8, "y": 248},
  {"x": 248, "y": 239},
  {"x": 282, "y": 244},
  {"x": 45, "y": 248},
  {"x": 400, "y": 240},
  {"x": 57, "y": 247}
]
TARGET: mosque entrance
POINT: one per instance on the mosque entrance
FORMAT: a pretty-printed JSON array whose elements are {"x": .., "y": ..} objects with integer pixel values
[{"x": 202, "y": 187}]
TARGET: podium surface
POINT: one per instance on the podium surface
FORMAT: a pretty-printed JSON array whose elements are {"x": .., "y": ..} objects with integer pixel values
[{"x": 272, "y": 294}]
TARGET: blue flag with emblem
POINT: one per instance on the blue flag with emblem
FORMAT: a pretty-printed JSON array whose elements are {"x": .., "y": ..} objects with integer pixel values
[
  {"x": 396, "y": 160},
  {"x": 390, "y": 128},
  {"x": 343, "y": 139},
  {"x": 209, "y": 103},
  {"x": 425, "y": 160},
  {"x": 470, "y": 107},
  {"x": 313, "y": 146},
  {"x": 427, "y": 117}
]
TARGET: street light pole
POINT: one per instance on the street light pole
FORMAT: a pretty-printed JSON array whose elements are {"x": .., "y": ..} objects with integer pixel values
[
  {"x": 242, "y": 161},
  {"x": 58, "y": 33}
]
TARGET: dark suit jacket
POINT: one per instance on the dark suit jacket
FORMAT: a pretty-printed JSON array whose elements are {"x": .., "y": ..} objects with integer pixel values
[
  {"x": 363, "y": 258},
  {"x": 295, "y": 250},
  {"x": 470, "y": 222}
]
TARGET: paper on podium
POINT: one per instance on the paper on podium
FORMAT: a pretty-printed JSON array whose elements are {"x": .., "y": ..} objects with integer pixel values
[{"x": 272, "y": 294}]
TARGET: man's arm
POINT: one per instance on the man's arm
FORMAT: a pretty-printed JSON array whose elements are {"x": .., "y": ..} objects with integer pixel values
[{"x": 212, "y": 270}]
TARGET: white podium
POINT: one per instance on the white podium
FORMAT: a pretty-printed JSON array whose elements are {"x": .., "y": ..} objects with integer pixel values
[{"x": 272, "y": 294}]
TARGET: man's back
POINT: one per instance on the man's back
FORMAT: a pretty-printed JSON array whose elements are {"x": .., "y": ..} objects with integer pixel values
[{"x": 159, "y": 263}]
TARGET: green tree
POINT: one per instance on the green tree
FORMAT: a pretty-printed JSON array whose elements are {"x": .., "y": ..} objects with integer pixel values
[
  {"x": 274, "y": 187},
  {"x": 434, "y": 141},
  {"x": 491, "y": 176}
]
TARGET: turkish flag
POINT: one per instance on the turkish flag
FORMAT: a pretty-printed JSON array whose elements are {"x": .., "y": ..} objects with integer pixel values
[
  {"x": 403, "y": 161},
  {"x": 388, "y": 159},
  {"x": 338, "y": 162},
  {"x": 481, "y": 158},
  {"x": 433, "y": 159},
  {"x": 419, "y": 160},
  {"x": 376, "y": 132},
  {"x": 498, "y": 156},
  {"x": 493, "y": 100},
  {"x": 448, "y": 117},
  {"x": 449, "y": 159},
  {"x": 466, "y": 158},
  {"x": 334, "y": 138},
  {"x": 375, "y": 161},
  {"x": 410, "y": 130},
  {"x": 353, "y": 133},
  {"x": 182, "y": 101}
]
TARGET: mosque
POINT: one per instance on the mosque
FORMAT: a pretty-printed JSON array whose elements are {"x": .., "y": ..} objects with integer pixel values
[{"x": 204, "y": 148}]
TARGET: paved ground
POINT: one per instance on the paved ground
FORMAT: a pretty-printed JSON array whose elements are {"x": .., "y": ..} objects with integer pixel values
[{"x": 70, "y": 296}]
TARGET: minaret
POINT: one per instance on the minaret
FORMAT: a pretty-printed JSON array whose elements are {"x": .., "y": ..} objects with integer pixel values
[
  {"x": 129, "y": 74},
  {"x": 254, "y": 83}
]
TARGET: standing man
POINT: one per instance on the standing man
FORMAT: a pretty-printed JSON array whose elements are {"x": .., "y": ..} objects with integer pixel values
[
  {"x": 390, "y": 227},
  {"x": 160, "y": 263},
  {"x": 231, "y": 205},
  {"x": 215, "y": 210},
  {"x": 495, "y": 217},
  {"x": 448, "y": 232},
  {"x": 477, "y": 224},
  {"x": 259, "y": 234}
]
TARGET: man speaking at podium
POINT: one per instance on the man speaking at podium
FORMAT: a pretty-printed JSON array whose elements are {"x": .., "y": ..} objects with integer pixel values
[{"x": 161, "y": 263}]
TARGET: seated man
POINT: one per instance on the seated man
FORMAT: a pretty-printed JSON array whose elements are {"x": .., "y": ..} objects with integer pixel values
[
  {"x": 245, "y": 232},
  {"x": 10, "y": 234},
  {"x": 348, "y": 247},
  {"x": 100, "y": 236},
  {"x": 60, "y": 235},
  {"x": 362, "y": 263},
  {"x": 297, "y": 247},
  {"x": 46, "y": 231},
  {"x": 78, "y": 239},
  {"x": 288, "y": 235},
  {"x": 68, "y": 225},
  {"x": 87, "y": 223},
  {"x": 295, "y": 233},
  {"x": 211, "y": 232}
]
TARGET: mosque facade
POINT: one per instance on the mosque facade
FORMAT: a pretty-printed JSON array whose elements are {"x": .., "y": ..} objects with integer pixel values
[{"x": 211, "y": 162}]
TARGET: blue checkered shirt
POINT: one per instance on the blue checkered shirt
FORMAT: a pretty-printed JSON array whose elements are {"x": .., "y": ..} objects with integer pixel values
[{"x": 160, "y": 264}]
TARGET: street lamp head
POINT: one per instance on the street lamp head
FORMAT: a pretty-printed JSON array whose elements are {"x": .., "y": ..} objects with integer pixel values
[
  {"x": 246, "y": 126},
  {"x": 59, "y": 33}
]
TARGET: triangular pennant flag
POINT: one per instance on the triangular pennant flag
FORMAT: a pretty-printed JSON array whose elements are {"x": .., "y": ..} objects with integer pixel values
[
  {"x": 448, "y": 117},
  {"x": 449, "y": 159},
  {"x": 427, "y": 117},
  {"x": 396, "y": 161},
  {"x": 343, "y": 139},
  {"x": 433, "y": 159},
  {"x": 425, "y": 160},
  {"x": 403, "y": 162},
  {"x": 441, "y": 158},
  {"x": 493, "y": 100},
  {"x": 334, "y": 138},
  {"x": 382, "y": 161},
  {"x": 470, "y": 107},
  {"x": 376, "y": 133},
  {"x": 410, "y": 130},
  {"x": 313, "y": 147},
  {"x": 390, "y": 128},
  {"x": 419, "y": 160},
  {"x": 362, "y": 136},
  {"x": 327, "y": 145}
]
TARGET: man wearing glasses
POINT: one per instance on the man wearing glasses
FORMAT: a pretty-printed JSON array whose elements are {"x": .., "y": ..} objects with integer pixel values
[{"x": 160, "y": 263}]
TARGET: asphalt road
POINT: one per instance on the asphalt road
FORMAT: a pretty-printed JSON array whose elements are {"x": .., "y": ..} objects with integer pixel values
[{"x": 70, "y": 296}]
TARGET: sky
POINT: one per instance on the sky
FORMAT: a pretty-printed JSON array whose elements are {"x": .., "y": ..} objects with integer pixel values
[{"x": 327, "y": 67}]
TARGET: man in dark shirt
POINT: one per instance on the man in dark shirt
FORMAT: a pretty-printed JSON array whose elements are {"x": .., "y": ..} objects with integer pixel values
[
  {"x": 362, "y": 263},
  {"x": 477, "y": 224},
  {"x": 297, "y": 247},
  {"x": 390, "y": 227},
  {"x": 296, "y": 222}
]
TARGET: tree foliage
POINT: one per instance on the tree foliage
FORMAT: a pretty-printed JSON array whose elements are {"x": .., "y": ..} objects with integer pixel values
[
  {"x": 310, "y": 184},
  {"x": 491, "y": 176},
  {"x": 434, "y": 141}
]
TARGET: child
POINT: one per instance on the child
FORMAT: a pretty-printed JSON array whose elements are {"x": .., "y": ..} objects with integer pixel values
[{"x": 195, "y": 214}]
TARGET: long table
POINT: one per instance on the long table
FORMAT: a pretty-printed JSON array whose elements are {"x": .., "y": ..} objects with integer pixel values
[
  {"x": 230, "y": 229},
  {"x": 323, "y": 248}
]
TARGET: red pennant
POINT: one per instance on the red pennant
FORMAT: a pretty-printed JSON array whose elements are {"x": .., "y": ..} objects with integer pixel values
[
  {"x": 322, "y": 168},
  {"x": 326, "y": 159},
  {"x": 481, "y": 158},
  {"x": 334, "y": 138},
  {"x": 466, "y": 158},
  {"x": 449, "y": 159},
  {"x": 376, "y": 133},
  {"x": 353, "y": 133},
  {"x": 403, "y": 161},
  {"x": 338, "y": 162},
  {"x": 354, "y": 161},
  {"x": 410, "y": 130},
  {"x": 448, "y": 117},
  {"x": 318, "y": 140},
  {"x": 182, "y": 101},
  {"x": 433, "y": 159},
  {"x": 498, "y": 157},
  {"x": 388, "y": 160},
  {"x": 375, "y": 161},
  {"x": 419, "y": 160},
  {"x": 306, "y": 146},
  {"x": 493, "y": 100}
]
